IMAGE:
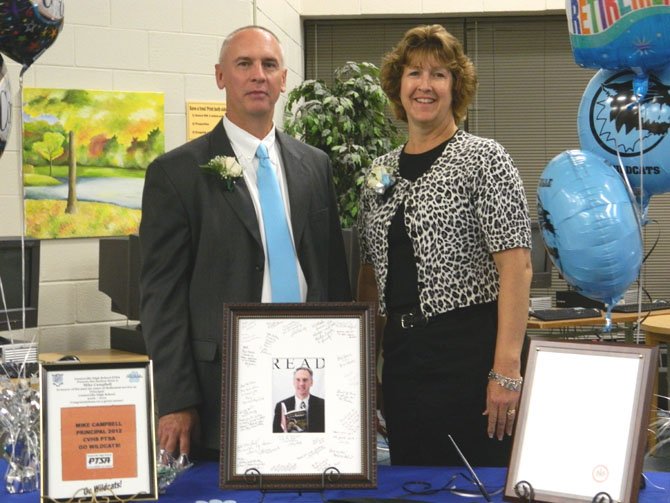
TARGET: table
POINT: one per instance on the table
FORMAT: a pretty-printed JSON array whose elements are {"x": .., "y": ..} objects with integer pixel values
[
  {"x": 656, "y": 331},
  {"x": 96, "y": 356},
  {"x": 581, "y": 322},
  {"x": 200, "y": 483}
]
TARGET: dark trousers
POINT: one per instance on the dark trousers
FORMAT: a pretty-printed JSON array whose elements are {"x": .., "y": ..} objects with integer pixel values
[{"x": 434, "y": 384}]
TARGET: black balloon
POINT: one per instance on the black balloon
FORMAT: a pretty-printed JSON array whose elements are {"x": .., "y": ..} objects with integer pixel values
[
  {"x": 28, "y": 28},
  {"x": 5, "y": 106}
]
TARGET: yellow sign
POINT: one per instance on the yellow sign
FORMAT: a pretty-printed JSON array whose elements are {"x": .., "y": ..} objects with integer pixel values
[{"x": 202, "y": 116}]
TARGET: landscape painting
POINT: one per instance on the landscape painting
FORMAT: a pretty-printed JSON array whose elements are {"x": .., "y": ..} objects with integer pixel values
[{"x": 85, "y": 154}]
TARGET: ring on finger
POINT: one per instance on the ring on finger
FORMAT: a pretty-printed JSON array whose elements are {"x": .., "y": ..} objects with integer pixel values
[{"x": 511, "y": 412}]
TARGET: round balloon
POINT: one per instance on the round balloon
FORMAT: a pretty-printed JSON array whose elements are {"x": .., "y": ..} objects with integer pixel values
[
  {"x": 5, "y": 106},
  {"x": 616, "y": 35},
  {"x": 589, "y": 225},
  {"x": 613, "y": 124},
  {"x": 28, "y": 28}
]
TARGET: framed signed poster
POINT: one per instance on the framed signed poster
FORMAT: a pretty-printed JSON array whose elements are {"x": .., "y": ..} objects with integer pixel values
[
  {"x": 97, "y": 431},
  {"x": 582, "y": 422},
  {"x": 298, "y": 404}
]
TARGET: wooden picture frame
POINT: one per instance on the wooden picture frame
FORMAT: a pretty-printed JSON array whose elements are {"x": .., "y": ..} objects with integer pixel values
[
  {"x": 98, "y": 437},
  {"x": 265, "y": 345},
  {"x": 582, "y": 422}
]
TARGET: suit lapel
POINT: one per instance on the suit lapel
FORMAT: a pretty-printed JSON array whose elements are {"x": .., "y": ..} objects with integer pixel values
[
  {"x": 297, "y": 181},
  {"x": 238, "y": 198}
]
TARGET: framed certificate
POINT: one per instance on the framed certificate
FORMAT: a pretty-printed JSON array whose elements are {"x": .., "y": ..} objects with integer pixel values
[
  {"x": 298, "y": 404},
  {"x": 97, "y": 431},
  {"x": 582, "y": 422}
]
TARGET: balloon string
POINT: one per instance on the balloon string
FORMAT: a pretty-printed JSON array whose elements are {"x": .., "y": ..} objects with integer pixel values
[
  {"x": 642, "y": 266},
  {"x": 23, "y": 216},
  {"x": 638, "y": 203},
  {"x": 28, "y": 355}
]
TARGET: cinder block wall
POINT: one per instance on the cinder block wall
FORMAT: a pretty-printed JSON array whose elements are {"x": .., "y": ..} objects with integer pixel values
[{"x": 167, "y": 46}]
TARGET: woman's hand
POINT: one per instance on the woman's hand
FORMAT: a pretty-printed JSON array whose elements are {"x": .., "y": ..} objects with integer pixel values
[{"x": 501, "y": 406}]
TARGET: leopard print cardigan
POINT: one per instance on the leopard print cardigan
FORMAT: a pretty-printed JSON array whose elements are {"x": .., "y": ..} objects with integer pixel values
[{"x": 469, "y": 204}]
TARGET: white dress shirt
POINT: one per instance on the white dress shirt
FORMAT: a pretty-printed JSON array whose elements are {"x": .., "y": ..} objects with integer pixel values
[
  {"x": 245, "y": 146},
  {"x": 299, "y": 400}
]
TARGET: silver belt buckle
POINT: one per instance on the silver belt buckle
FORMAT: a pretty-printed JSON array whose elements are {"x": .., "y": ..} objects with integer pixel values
[{"x": 413, "y": 320}]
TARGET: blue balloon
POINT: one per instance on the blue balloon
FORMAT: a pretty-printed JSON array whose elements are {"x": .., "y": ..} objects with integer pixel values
[
  {"x": 589, "y": 225},
  {"x": 611, "y": 120},
  {"x": 619, "y": 35}
]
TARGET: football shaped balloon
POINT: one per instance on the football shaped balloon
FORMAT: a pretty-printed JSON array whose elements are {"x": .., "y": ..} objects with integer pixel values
[{"x": 28, "y": 28}]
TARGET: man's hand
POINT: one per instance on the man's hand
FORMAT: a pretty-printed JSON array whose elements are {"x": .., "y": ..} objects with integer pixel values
[{"x": 176, "y": 430}]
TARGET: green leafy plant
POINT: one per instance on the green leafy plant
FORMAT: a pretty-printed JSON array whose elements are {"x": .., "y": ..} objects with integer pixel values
[{"x": 346, "y": 120}]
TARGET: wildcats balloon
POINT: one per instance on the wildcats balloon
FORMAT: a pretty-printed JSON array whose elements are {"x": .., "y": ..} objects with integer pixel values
[
  {"x": 589, "y": 225},
  {"x": 612, "y": 123},
  {"x": 620, "y": 34},
  {"x": 28, "y": 28}
]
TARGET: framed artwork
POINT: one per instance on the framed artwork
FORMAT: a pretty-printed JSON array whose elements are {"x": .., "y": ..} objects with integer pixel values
[
  {"x": 85, "y": 153},
  {"x": 582, "y": 422},
  {"x": 97, "y": 432},
  {"x": 298, "y": 396}
]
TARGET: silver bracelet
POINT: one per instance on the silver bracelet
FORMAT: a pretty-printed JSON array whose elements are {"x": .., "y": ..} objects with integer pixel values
[{"x": 506, "y": 382}]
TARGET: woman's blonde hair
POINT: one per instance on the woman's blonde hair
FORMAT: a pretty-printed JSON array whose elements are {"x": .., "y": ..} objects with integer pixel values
[{"x": 425, "y": 43}]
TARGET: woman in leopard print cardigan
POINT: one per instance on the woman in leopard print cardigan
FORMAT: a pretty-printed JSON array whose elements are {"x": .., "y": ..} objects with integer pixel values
[{"x": 444, "y": 223}]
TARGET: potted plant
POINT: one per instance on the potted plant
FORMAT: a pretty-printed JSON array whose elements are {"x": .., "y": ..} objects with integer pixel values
[{"x": 347, "y": 121}]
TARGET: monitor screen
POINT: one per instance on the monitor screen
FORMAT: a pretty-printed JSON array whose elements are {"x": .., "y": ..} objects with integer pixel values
[
  {"x": 119, "y": 273},
  {"x": 19, "y": 293},
  {"x": 540, "y": 259}
]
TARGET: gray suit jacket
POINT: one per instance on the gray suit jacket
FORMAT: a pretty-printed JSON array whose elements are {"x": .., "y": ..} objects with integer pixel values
[{"x": 201, "y": 246}]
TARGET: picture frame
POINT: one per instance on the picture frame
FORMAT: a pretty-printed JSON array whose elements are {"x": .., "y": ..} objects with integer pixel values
[
  {"x": 97, "y": 437},
  {"x": 582, "y": 422},
  {"x": 268, "y": 349}
]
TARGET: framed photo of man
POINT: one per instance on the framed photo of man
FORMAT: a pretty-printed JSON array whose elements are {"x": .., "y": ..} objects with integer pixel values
[{"x": 298, "y": 396}]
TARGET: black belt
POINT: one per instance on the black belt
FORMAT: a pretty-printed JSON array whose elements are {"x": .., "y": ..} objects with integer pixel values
[{"x": 410, "y": 317}]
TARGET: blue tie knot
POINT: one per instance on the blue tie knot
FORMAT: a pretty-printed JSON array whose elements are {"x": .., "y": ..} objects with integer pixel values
[{"x": 262, "y": 152}]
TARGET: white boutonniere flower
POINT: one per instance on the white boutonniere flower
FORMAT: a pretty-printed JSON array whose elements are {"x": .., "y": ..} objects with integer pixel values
[
  {"x": 380, "y": 178},
  {"x": 226, "y": 167}
]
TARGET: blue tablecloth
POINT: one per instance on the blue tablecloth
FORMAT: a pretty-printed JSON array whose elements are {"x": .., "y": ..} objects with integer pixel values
[{"x": 200, "y": 483}]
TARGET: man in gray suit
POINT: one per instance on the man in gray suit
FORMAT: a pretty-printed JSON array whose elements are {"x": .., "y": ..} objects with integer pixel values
[{"x": 203, "y": 239}]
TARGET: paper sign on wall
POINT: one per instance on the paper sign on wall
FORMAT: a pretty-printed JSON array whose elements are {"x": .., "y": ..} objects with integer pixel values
[{"x": 202, "y": 116}]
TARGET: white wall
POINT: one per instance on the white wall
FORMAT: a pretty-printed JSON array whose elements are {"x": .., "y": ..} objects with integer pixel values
[
  {"x": 322, "y": 8},
  {"x": 168, "y": 46}
]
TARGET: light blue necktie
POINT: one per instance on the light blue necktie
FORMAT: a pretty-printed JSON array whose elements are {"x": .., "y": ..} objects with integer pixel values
[{"x": 281, "y": 257}]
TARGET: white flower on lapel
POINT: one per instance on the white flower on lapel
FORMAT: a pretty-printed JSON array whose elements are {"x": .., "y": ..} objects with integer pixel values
[
  {"x": 380, "y": 178},
  {"x": 226, "y": 167}
]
